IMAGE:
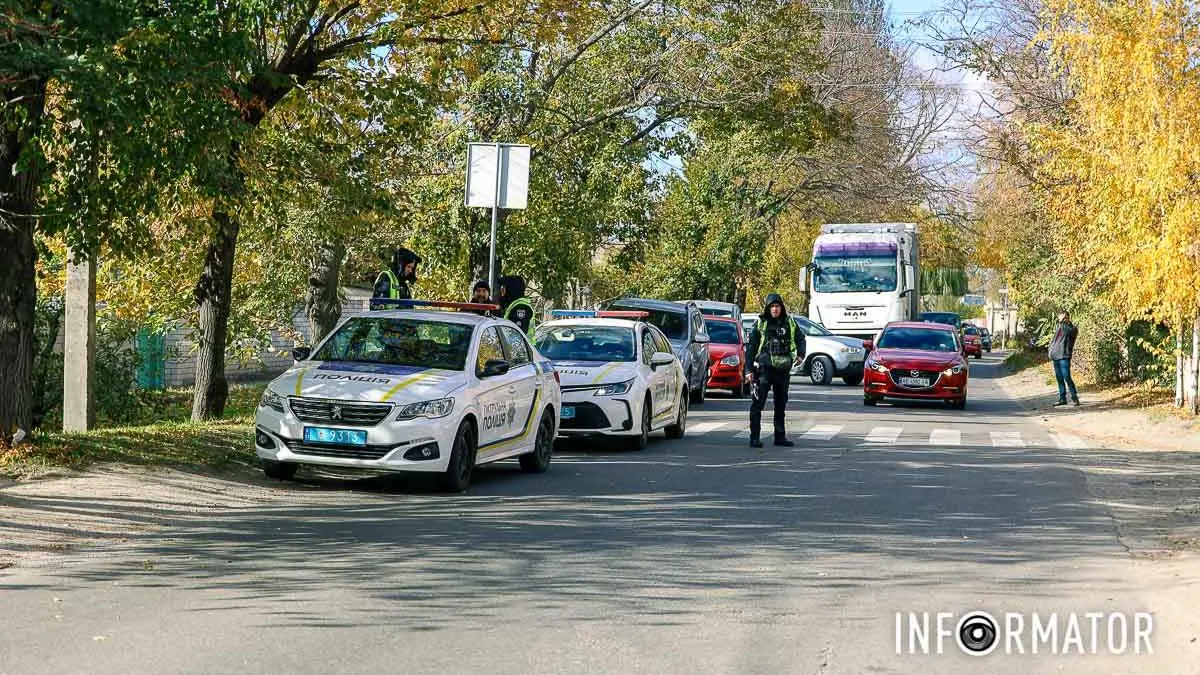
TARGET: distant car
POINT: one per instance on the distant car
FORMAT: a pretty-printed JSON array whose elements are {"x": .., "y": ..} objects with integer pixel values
[
  {"x": 827, "y": 355},
  {"x": 411, "y": 390},
  {"x": 619, "y": 376},
  {"x": 727, "y": 350},
  {"x": 916, "y": 361},
  {"x": 683, "y": 324},
  {"x": 714, "y": 308},
  {"x": 748, "y": 326},
  {"x": 972, "y": 341},
  {"x": 948, "y": 318},
  {"x": 985, "y": 337}
]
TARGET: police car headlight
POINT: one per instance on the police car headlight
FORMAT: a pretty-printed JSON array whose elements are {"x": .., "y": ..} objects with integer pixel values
[
  {"x": 614, "y": 388},
  {"x": 731, "y": 360},
  {"x": 953, "y": 370},
  {"x": 438, "y": 408},
  {"x": 271, "y": 400}
]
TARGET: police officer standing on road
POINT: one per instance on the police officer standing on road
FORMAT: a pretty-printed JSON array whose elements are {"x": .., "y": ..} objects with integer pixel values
[
  {"x": 770, "y": 355},
  {"x": 514, "y": 306},
  {"x": 393, "y": 283}
]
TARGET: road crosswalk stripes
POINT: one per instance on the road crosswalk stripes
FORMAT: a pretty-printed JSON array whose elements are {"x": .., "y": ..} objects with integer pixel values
[
  {"x": 884, "y": 435},
  {"x": 1007, "y": 439},
  {"x": 1068, "y": 442},
  {"x": 822, "y": 432},
  {"x": 708, "y": 427},
  {"x": 945, "y": 437}
]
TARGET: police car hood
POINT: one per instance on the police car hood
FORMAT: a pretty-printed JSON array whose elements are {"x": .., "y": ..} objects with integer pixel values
[
  {"x": 368, "y": 382},
  {"x": 589, "y": 373}
]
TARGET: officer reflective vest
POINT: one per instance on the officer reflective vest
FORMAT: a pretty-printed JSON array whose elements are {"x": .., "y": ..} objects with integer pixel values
[
  {"x": 781, "y": 359},
  {"x": 521, "y": 303},
  {"x": 393, "y": 284}
]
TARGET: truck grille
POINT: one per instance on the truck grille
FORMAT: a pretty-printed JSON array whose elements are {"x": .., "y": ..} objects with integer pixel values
[
  {"x": 339, "y": 451},
  {"x": 342, "y": 413}
]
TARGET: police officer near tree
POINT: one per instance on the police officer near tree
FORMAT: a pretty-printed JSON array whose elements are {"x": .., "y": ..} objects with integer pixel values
[
  {"x": 773, "y": 349},
  {"x": 514, "y": 306},
  {"x": 394, "y": 283}
]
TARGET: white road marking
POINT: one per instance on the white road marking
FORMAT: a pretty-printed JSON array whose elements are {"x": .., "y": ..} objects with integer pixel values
[
  {"x": 744, "y": 433},
  {"x": 822, "y": 432},
  {"x": 707, "y": 427},
  {"x": 884, "y": 435},
  {"x": 1007, "y": 439},
  {"x": 945, "y": 437},
  {"x": 1069, "y": 442}
]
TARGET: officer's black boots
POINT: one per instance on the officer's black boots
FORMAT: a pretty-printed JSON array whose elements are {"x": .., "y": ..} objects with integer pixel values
[
  {"x": 783, "y": 442},
  {"x": 755, "y": 443}
]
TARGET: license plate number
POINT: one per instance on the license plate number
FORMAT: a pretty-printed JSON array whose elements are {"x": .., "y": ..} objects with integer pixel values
[
  {"x": 335, "y": 436},
  {"x": 568, "y": 412},
  {"x": 915, "y": 381}
]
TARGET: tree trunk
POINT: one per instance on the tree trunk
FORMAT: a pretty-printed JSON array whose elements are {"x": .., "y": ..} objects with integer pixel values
[
  {"x": 213, "y": 295},
  {"x": 18, "y": 257},
  {"x": 1195, "y": 365},
  {"x": 322, "y": 302},
  {"x": 1179, "y": 365}
]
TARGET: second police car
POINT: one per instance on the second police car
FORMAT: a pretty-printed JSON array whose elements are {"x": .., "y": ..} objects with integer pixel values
[
  {"x": 620, "y": 376},
  {"x": 412, "y": 390}
]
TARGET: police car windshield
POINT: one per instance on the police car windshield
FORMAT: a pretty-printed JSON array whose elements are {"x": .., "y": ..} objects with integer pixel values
[
  {"x": 920, "y": 339},
  {"x": 722, "y": 332},
  {"x": 399, "y": 342},
  {"x": 672, "y": 324},
  {"x": 586, "y": 343}
]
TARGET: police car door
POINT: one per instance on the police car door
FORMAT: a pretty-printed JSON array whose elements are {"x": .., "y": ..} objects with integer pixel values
[
  {"x": 671, "y": 381},
  {"x": 656, "y": 380},
  {"x": 497, "y": 394},
  {"x": 525, "y": 383}
]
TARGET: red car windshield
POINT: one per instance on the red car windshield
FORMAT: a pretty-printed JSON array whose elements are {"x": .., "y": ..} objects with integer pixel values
[
  {"x": 918, "y": 339},
  {"x": 722, "y": 332}
]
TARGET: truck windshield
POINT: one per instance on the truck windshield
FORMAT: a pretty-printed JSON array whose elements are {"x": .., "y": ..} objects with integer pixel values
[{"x": 855, "y": 274}]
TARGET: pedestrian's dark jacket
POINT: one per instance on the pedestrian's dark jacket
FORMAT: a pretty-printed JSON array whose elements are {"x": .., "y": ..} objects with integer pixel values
[
  {"x": 393, "y": 282},
  {"x": 774, "y": 343},
  {"x": 1063, "y": 344}
]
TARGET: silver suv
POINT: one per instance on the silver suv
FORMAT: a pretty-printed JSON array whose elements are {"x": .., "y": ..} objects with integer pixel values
[
  {"x": 827, "y": 355},
  {"x": 683, "y": 324}
]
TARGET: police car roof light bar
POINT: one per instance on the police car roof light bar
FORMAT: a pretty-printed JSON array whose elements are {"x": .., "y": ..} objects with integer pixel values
[
  {"x": 623, "y": 315},
  {"x": 572, "y": 313},
  {"x": 438, "y": 304}
]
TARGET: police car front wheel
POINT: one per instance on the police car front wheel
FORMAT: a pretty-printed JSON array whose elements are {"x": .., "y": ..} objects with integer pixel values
[{"x": 458, "y": 472}]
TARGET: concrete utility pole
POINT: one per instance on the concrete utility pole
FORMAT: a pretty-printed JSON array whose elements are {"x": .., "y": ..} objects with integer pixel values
[{"x": 79, "y": 346}]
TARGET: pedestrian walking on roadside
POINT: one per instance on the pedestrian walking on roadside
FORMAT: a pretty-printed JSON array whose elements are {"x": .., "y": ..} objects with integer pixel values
[
  {"x": 770, "y": 354},
  {"x": 1061, "y": 349}
]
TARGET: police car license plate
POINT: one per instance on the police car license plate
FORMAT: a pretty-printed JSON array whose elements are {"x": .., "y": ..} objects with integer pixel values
[
  {"x": 568, "y": 412},
  {"x": 335, "y": 436},
  {"x": 915, "y": 381}
]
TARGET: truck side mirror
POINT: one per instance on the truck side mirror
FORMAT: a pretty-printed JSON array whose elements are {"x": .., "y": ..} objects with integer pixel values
[{"x": 804, "y": 279}]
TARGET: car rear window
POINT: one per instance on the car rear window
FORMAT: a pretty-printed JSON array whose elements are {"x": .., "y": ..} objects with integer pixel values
[
  {"x": 722, "y": 332},
  {"x": 920, "y": 339},
  {"x": 672, "y": 324}
]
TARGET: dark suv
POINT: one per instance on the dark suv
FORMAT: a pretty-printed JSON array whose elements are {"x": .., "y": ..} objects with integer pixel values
[
  {"x": 683, "y": 324},
  {"x": 947, "y": 318}
]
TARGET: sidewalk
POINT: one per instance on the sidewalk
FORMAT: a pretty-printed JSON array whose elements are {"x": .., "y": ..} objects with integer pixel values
[{"x": 1140, "y": 457}]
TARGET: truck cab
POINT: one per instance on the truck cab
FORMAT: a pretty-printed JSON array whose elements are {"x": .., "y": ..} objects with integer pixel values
[{"x": 862, "y": 277}]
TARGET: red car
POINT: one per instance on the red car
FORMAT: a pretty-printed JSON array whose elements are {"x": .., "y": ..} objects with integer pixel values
[
  {"x": 916, "y": 361},
  {"x": 972, "y": 342},
  {"x": 727, "y": 354}
]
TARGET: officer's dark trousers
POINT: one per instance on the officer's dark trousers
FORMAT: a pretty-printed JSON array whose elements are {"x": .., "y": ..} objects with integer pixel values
[{"x": 777, "y": 382}]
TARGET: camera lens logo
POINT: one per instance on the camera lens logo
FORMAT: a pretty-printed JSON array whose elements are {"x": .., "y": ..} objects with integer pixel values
[{"x": 977, "y": 633}]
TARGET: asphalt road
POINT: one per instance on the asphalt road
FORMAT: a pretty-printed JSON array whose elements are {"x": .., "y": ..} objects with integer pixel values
[{"x": 693, "y": 556}]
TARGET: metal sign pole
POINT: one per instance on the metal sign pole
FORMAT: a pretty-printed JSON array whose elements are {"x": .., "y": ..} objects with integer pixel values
[{"x": 492, "y": 281}]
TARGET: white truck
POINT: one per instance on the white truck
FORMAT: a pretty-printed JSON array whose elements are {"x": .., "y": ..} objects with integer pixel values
[{"x": 863, "y": 276}]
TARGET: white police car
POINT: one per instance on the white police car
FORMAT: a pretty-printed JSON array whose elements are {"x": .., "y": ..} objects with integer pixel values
[
  {"x": 412, "y": 390},
  {"x": 619, "y": 375}
]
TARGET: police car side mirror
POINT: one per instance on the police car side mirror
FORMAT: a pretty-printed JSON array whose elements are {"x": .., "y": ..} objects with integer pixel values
[
  {"x": 661, "y": 359},
  {"x": 301, "y": 353},
  {"x": 495, "y": 367}
]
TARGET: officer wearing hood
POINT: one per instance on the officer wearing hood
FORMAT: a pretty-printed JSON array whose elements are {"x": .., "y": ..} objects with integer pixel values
[
  {"x": 514, "y": 306},
  {"x": 772, "y": 350},
  {"x": 393, "y": 283}
]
